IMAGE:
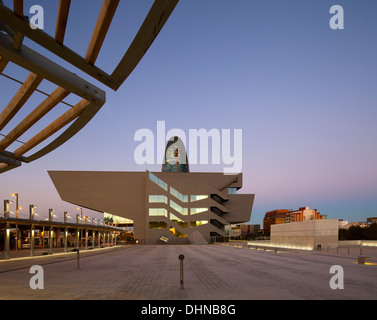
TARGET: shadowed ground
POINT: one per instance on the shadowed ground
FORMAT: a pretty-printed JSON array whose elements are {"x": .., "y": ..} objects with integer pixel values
[{"x": 211, "y": 272}]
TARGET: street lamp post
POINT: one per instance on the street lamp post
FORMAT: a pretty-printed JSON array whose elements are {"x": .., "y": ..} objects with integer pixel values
[
  {"x": 6, "y": 208},
  {"x": 7, "y": 229},
  {"x": 32, "y": 230},
  {"x": 51, "y": 233},
  {"x": 79, "y": 208},
  {"x": 16, "y": 195}
]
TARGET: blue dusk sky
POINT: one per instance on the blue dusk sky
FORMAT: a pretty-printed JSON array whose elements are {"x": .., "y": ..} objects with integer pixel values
[{"x": 304, "y": 95}]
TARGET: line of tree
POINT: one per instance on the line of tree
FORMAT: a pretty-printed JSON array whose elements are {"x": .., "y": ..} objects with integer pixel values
[
  {"x": 359, "y": 233},
  {"x": 249, "y": 236}
]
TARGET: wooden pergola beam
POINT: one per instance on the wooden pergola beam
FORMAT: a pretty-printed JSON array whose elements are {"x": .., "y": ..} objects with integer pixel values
[
  {"x": 23, "y": 94},
  {"x": 52, "y": 100},
  {"x": 152, "y": 25},
  {"x": 18, "y": 7},
  {"x": 48, "y": 42},
  {"x": 104, "y": 20},
  {"x": 3, "y": 64},
  {"x": 3, "y": 165},
  {"x": 48, "y": 104},
  {"x": 93, "y": 98},
  {"x": 106, "y": 15},
  {"x": 51, "y": 71},
  {"x": 61, "y": 21},
  {"x": 54, "y": 127}
]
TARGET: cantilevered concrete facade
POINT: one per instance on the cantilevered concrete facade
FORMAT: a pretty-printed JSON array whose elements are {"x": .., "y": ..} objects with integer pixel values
[{"x": 166, "y": 207}]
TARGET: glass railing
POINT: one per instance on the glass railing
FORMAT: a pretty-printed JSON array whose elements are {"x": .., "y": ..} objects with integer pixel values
[
  {"x": 194, "y": 198},
  {"x": 158, "y": 181},
  {"x": 178, "y": 195},
  {"x": 158, "y": 199},
  {"x": 178, "y": 208},
  {"x": 158, "y": 212},
  {"x": 197, "y": 210}
]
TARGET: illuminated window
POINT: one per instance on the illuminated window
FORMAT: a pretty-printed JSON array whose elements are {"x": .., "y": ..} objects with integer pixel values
[
  {"x": 158, "y": 181},
  {"x": 178, "y": 195},
  {"x": 116, "y": 219},
  {"x": 175, "y": 218},
  {"x": 178, "y": 208},
  {"x": 198, "y": 223},
  {"x": 158, "y": 212},
  {"x": 158, "y": 225},
  {"x": 197, "y": 210},
  {"x": 194, "y": 198},
  {"x": 178, "y": 221},
  {"x": 158, "y": 199},
  {"x": 177, "y": 233}
]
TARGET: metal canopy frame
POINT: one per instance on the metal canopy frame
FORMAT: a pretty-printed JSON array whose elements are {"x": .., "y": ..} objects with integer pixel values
[{"x": 14, "y": 26}]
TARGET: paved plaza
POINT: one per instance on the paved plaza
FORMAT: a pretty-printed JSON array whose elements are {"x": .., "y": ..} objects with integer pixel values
[{"x": 211, "y": 272}]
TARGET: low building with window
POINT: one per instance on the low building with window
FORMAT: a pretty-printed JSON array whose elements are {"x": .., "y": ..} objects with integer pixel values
[{"x": 287, "y": 216}]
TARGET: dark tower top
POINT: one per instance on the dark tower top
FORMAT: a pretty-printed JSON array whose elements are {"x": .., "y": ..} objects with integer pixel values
[{"x": 175, "y": 157}]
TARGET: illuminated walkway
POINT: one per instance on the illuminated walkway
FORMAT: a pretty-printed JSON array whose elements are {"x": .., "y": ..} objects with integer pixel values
[{"x": 210, "y": 272}]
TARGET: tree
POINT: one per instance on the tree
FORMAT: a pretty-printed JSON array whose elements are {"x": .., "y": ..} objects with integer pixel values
[
  {"x": 370, "y": 233},
  {"x": 359, "y": 233}
]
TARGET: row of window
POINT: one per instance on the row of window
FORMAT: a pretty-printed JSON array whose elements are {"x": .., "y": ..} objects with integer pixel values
[
  {"x": 164, "y": 199},
  {"x": 153, "y": 212},
  {"x": 158, "y": 181},
  {"x": 175, "y": 193},
  {"x": 178, "y": 195},
  {"x": 194, "y": 198},
  {"x": 164, "y": 225},
  {"x": 158, "y": 199}
]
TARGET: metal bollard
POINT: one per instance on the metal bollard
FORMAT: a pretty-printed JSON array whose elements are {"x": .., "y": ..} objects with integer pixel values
[
  {"x": 181, "y": 257},
  {"x": 78, "y": 257}
]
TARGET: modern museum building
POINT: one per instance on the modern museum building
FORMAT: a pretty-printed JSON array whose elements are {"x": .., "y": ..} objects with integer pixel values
[{"x": 172, "y": 206}]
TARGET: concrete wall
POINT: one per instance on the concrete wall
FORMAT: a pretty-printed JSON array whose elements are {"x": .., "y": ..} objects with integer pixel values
[
  {"x": 119, "y": 193},
  {"x": 309, "y": 234},
  {"x": 240, "y": 206}
]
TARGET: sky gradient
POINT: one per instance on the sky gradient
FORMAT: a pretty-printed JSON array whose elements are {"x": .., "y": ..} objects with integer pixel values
[{"x": 303, "y": 94}]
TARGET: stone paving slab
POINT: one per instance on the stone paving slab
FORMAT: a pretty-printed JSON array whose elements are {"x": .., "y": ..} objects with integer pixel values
[{"x": 211, "y": 272}]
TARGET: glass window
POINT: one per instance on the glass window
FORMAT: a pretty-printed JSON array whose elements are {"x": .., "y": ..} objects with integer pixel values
[
  {"x": 158, "y": 199},
  {"x": 198, "y": 223},
  {"x": 178, "y": 208},
  {"x": 194, "y": 198},
  {"x": 178, "y": 195},
  {"x": 177, "y": 233},
  {"x": 116, "y": 219},
  {"x": 197, "y": 210},
  {"x": 158, "y": 181},
  {"x": 178, "y": 221},
  {"x": 175, "y": 218},
  {"x": 232, "y": 190},
  {"x": 156, "y": 212},
  {"x": 158, "y": 225}
]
